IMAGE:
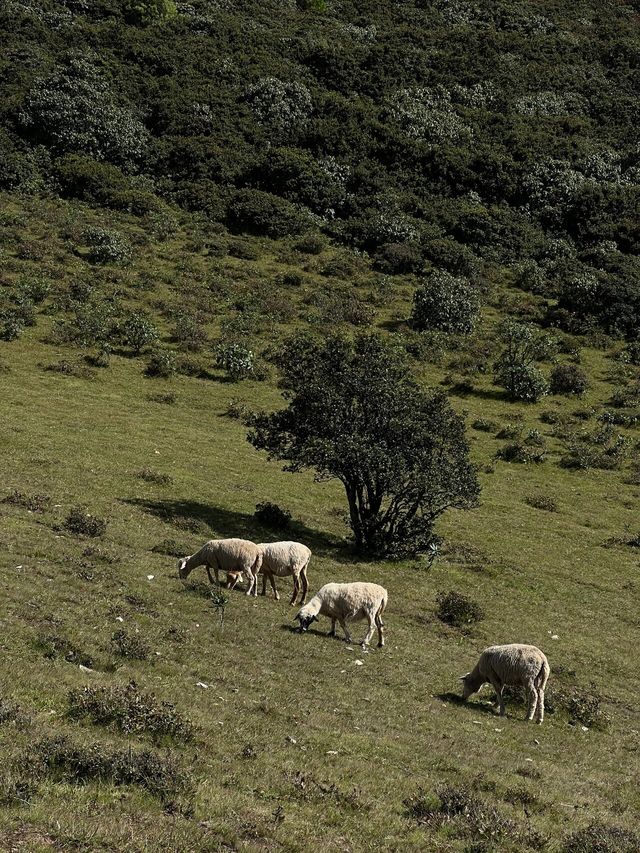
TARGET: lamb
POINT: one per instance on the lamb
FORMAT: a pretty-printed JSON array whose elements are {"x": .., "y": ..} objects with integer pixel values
[
  {"x": 347, "y": 601},
  {"x": 233, "y": 556},
  {"x": 281, "y": 559},
  {"x": 517, "y": 665}
]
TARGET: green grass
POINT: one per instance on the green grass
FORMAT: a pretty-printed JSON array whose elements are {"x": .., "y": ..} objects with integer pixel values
[{"x": 296, "y": 746}]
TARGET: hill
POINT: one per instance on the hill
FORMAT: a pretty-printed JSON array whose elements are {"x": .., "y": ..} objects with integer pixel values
[{"x": 184, "y": 186}]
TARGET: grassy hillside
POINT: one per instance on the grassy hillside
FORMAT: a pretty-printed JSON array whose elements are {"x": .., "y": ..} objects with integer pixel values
[{"x": 182, "y": 187}]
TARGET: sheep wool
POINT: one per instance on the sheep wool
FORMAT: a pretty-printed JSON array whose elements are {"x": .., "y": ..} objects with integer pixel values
[
  {"x": 516, "y": 665},
  {"x": 284, "y": 559},
  {"x": 233, "y": 556},
  {"x": 347, "y": 602}
]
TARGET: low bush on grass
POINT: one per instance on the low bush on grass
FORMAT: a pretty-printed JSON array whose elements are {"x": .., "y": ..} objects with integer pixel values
[
  {"x": 568, "y": 379},
  {"x": 155, "y": 477},
  {"x": 601, "y": 838},
  {"x": 81, "y": 523},
  {"x": 129, "y": 711},
  {"x": 34, "y": 503},
  {"x": 130, "y": 646},
  {"x": 65, "y": 760},
  {"x": 544, "y": 502},
  {"x": 271, "y": 515},
  {"x": 168, "y": 399},
  {"x": 161, "y": 364},
  {"x": 518, "y": 452},
  {"x": 483, "y": 425},
  {"x": 71, "y": 368},
  {"x": 457, "y": 609},
  {"x": 468, "y": 814},
  {"x": 171, "y": 548},
  {"x": 56, "y": 646}
]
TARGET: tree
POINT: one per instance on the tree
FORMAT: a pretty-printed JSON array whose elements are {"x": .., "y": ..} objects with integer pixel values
[
  {"x": 515, "y": 369},
  {"x": 355, "y": 414},
  {"x": 446, "y": 302},
  {"x": 149, "y": 11}
]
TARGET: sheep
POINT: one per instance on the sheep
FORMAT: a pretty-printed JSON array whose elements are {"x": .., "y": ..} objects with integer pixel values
[
  {"x": 347, "y": 601},
  {"x": 515, "y": 664},
  {"x": 233, "y": 556},
  {"x": 281, "y": 559}
]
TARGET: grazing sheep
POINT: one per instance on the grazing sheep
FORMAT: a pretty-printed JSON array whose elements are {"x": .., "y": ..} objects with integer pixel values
[
  {"x": 233, "y": 556},
  {"x": 517, "y": 665},
  {"x": 347, "y": 601},
  {"x": 281, "y": 559}
]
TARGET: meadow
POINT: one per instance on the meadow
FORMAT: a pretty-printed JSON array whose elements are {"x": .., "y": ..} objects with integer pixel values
[{"x": 260, "y": 738}]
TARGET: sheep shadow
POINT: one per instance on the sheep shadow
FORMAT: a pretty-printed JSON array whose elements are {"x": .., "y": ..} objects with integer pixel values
[
  {"x": 294, "y": 629},
  {"x": 450, "y": 698},
  {"x": 211, "y": 521}
]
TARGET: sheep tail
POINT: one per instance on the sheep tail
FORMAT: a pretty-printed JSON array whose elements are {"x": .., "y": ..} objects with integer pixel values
[
  {"x": 255, "y": 568},
  {"x": 543, "y": 675}
]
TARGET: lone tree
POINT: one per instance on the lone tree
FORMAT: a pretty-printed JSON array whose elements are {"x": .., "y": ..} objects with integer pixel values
[{"x": 355, "y": 414}]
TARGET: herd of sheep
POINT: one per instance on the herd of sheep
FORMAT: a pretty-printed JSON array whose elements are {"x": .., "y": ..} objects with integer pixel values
[{"x": 515, "y": 664}]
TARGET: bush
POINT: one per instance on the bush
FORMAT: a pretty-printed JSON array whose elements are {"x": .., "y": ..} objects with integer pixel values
[
  {"x": 61, "y": 759},
  {"x": 243, "y": 249},
  {"x": 149, "y": 11},
  {"x": 457, "y": 609},
  {"x": 55, "y": 646},
  {"x": 138, "y": 331},
  {"x": 237, "y": 360},
  {"x": 271, "y": 515},
  {"x": 171, "y": 548},
  {"x": 81, "y": 523},
  {"x": 155, "y": 477},
  {"x": 161, "y": 364},
  {"x": 601, "y": 838},
  {"x": 311, "y": 244},
  {"x": 34, "y": 503},
  {"x": 483, "y": 425},
  {"x": 130, "y": 646},
  {"x": 447, "y": 303},
  {"x": 568, "y": 379},
  {"x": 107, "y": 247},
  {"x": 130, "y": 711},
  {"x": 514, "y": 370},
  {"x": 263, "y": 214},
  {"x": 517, "y": 452},
  {"x": 398, "y": 258},
  {"x": 544, "y": 502}
]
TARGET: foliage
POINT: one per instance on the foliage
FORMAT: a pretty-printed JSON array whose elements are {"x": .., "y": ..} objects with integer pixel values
[
  {"x": 82, "y": 523},
  {"x": 599, "y": 837},
  {"x": 129, "y": 645},
  {"x": 446, "y": 302},
  {"x": 138, "y": 331},
  {"x": 272, "y": 515},
  {"x": 107, "y": 246},
  {"x": 161, "y": 364},
  {"x": 236, "y": 359},
  {"x": 457, "y": 609},
  {"x": 515, "y": 369},
  {"x": 355, "y": 414},
  {"x": 130, "y": 711},
  {"x": 568, "y": 379},
  {"x": 149, "y": 11}
]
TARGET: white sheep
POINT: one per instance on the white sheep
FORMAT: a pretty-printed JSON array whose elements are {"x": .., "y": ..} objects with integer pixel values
[
  {"x": 517, "y": 665},
  {"x": 233, "y": 556},
  {"x": 343, "y": 602},
  {"x": 281, "y": 559}
]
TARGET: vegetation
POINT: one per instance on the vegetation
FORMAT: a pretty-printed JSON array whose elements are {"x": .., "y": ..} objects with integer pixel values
[{"x": 449, "y": 187}]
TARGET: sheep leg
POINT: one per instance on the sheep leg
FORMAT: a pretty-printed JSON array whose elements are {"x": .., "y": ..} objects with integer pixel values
[
  {"x": 252, "y": 583},
  {"x": 272, "y": 580},
  {"x": 296, "y": 588},
  {"x": 264, "y": 583},
  {"x": 497, "y": 686},
  {"x": 208, "y": 568},
  {"x": 532, "y": 700},
  {"x": 231, "y": 584},
  {"x": 540, "y": 709},
  {"x": 332, "y": 632},
  {"x": 380, "y": 627},
  {"x": 369, "y": 634},
  {"x": 305, "y": 585},
  {"x": 343, "y": 625}
]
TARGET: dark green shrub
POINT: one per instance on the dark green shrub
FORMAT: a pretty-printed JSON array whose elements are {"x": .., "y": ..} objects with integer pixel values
[
  {"x": 601, "y": 838},
  {"x": 62, "y": 759},
  {"x": 568, "y": 379},
  {"x": 237, "y": 360},
  {"x": 130, "y": 646},
  {"x": 138, "y": 331},
  {"x": 484, "y": 425},
  {"x": 168, "y": 399},
  {"x": 161, "y": 364},
  {"x": 515, "y": 370},
  {"x": 263, "y": 214},
  {"x": 71, "y": 368},
  {"x": 106, "y": 246},
  {"x": 457, "y": 609},
  {"x": 149, "y": 11},
  {"x": 398, "y": 258},
  {"x": 311, "y": 244},
  {"x": 81, "y": 523},
  {"x": 544, "y": 502},
  {"x": 243, "y": 249},
  {"x": 130, "y": 711},
  {"x": 517, "y": 452},
  {"x": 447, "y": 303},
  {"x": 271, "y": 515},
  {"x": 155, "y": 477},
  {"x": 54, "y": 646}
]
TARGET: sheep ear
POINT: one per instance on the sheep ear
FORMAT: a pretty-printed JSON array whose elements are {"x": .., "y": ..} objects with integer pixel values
[
  {"x": 314, "y": 619},
  {"x": 464, "y": 677}
]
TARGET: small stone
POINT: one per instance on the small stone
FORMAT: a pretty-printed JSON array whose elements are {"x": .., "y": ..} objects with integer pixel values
[
  {"x": 584, "y": 728},
  {"x": 83, "y": 668},
  {"x": 476, "y": 722},
  {"x": 203, "y": 685},
  {"x": 290, "y": 739},
  {"x": 332, "y": 752},
  {"x": 536, "y": 741},
  {"x": 119, "y": 619},
  {"x": 555, "y": 637},
  {"x": 497, "y": 730},
  {"x": 359, "y": 662},
  {"x": 529, "y": 760},
  {"x": 150, "y": 577}
]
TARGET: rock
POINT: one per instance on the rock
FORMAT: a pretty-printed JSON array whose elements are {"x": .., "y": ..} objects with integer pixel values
[
  {"x": 359, "y": 662},
  {"x": 203, "y": 685},
  {"x": 290, "y": 739},
  {"x": 150, "y": 577},
  {"x": 83, "y": 668}
]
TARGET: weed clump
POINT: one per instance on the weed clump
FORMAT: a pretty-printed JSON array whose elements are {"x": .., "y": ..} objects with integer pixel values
[
  {"x": 11, "y": 712},
  {"x": 64, "y": 760},
  {"x": 129, "y": 645},
  {"x": 170, "y": 547},
  {"x": 81, "y": 523},
  {"x": 457, "y": 609},
  {"x": 568, "y": 379},
  {"x": 129, "y": 711},
  {"x": 272, "y": 515},
  {"x": 34, "y": 503},
  {"x": 520, "y": 453},
  {"x": 601, "y": 838},
  {"x": 155, "y": 477},
  {"x": 544, "y": 502},
  {"x": 468, "y": 814},
  {"x": 483, "y": 425},
  {"x": 71, "y": 368},
  {"x": 55, "y": 646}
]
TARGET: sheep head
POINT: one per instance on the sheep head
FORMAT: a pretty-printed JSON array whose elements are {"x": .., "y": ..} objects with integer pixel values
[
  {"x": 182, "y": 568},
  {"x": 469, "y": 685},
  {"x": 305, "y": 619}
]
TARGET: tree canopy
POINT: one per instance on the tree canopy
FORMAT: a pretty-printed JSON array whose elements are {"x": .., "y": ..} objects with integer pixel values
[{"x": 354, "y": 413}]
